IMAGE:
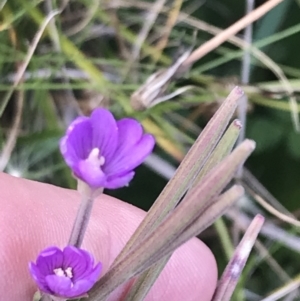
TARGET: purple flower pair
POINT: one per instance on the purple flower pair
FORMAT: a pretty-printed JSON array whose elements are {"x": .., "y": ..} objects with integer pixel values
[{"x": 102, "y": 152}]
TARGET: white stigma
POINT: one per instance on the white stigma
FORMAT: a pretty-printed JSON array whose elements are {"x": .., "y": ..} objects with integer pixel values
[
  {"x": 64, "y": 273},
  {"x": 94, "y": 157},
  {"x": 68, "y": 272}
]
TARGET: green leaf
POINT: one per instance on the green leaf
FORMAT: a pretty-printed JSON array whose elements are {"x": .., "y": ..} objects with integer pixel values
[{"x": 178, "y": 227}]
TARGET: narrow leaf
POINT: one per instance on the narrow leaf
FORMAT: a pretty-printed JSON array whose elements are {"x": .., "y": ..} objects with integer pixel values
[
  {"x": 208, "y": 217},
  {"x": 187, "y": 170},
  {"x": 223, "y": 148},
  {"x": 143, "y": 284},
  {"x": 235, "y": 267},
  {"x": 182, "y": 217}
]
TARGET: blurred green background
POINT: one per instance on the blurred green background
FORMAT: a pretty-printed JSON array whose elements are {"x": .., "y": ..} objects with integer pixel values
[{"x": 84, "y": 59}]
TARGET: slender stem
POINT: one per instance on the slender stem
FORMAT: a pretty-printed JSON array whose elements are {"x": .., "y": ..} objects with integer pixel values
[
  {"x": 230, "y": 31},
  {"x": 81, "y": 221},
  {"x": 246, "y": 63},
  {"x": 224, "y": 237},
  {"x": 25, "y": 63},
  {"x": 10, "y": 143},
  {"x": 237, "y": 263},
  {"x": 72, "y": 110},
  {"x": 245, "y": 76}
]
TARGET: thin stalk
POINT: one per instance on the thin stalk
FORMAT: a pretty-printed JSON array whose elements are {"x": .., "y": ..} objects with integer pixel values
[
  {"x": 72, "y": 110},
  {"x": 236, "y": 265},
  {"x": 245, "y": 76},
  {"x": 205, "y": 219},
  {"x": 25, "y": 63},
  {"x": 230, "y": 31},
  {"x": 224, "y": 237},
  {"x": 145, "y": 281},
  {"x": 81, "y": 221},
  {"x": 284, "y": 290},
  {"x": 245, "y": 72},
  {"x": 8, "y": 147}
]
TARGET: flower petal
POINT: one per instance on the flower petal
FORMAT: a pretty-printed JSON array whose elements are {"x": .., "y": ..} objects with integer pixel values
[
  {"x": 130, "y": 133},
  {"x": 80, "y": 261},
  {"x": 105, "y": 132},
  {"x": 119, "y": 181},
  {"x": 75, "y": 122},
  {"x": 90, "y": 173},
  {"x": 77, "y": 143},
  {"x": 49, "y": 259},
  {"x": 39, "y": 278},
  {"x": 82, "y": 286},
  {"x": 130, "y": 157},
  {"x": 60, "y": 285},
  {"x": 93, "y": 274}
]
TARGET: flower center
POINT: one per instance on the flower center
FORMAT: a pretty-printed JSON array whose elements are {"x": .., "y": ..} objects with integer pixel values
[
  {"x": 94, "y": 157},
  {"x": 64, "y": 273}
]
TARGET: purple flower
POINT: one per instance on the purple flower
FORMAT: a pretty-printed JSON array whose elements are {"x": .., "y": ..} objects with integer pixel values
[
  {"x": 102, "y": 151},
  {"x": 69, "y": 273}
]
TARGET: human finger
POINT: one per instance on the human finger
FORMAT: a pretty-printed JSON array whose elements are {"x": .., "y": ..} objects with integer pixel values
[{"x": 35, "y": 215}]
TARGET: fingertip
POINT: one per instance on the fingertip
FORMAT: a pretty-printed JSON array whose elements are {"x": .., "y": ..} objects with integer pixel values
[{"x": 191, "y": 274}]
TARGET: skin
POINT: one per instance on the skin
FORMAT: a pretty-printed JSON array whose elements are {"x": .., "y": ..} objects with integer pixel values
[{"x": 35, "y": 215}]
